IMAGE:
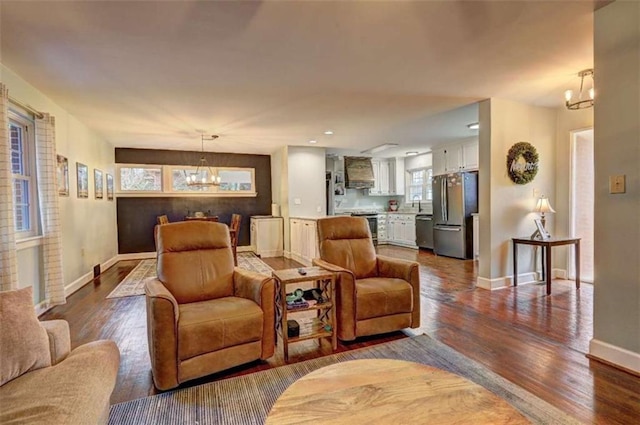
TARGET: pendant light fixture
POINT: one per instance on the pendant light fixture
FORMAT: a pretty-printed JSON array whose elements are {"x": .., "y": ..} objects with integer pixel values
[
  {"x": 204, "y": 175},
  {"x": 583, "y": 101}
]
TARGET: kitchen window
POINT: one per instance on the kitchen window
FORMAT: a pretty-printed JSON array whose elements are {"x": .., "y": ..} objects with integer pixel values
[
  {"x": 23, "y": 174},
  {"x": 419, "y": 186}
]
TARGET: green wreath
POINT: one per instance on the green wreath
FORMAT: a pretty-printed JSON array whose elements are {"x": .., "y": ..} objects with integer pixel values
[{"x": 522, "y": 163}]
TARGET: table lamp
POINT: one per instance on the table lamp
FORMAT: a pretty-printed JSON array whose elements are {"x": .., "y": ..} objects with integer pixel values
[{"x": 542, "y": 207}]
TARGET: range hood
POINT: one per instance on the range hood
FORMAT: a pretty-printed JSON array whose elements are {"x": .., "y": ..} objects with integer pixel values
[{"x": 358, "y": 172}]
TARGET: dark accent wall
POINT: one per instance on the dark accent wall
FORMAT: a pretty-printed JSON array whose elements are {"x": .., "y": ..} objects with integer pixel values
[{"x": 137, "y": 215}]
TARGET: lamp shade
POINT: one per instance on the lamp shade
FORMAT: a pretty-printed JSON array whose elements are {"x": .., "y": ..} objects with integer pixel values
[{"x": 543, "y": 206}]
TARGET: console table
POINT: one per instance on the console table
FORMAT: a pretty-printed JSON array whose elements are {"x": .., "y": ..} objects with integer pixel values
[{"x": 546, "y": 256}]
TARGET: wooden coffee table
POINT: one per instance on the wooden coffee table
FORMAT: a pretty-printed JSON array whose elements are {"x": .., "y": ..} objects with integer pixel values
[{"x": 389, "y": 391}]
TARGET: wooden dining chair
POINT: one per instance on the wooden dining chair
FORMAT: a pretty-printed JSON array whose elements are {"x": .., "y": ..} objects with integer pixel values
[
  {"x": 236, "y": 219},
  {"x": 163, "y": 219}
]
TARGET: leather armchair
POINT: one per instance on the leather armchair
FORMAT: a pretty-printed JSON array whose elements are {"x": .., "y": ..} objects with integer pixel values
[
  {"x": 203, "y": 314},
  {"x": 375, "y": 294}
]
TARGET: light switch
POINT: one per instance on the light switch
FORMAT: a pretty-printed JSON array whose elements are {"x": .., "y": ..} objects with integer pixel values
[
  {"x": 617, "y": 184},
  {"x": 297, "y": 201}
]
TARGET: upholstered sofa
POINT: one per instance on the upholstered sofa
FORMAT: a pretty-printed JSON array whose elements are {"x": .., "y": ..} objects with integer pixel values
[
  {"x": 375, "y": 294},
  {"x": 45, "y": 382}
]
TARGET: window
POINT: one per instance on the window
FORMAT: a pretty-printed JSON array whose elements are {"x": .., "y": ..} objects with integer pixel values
[
  {"x": 140, "y": 178},
  {"x": 23, "y": 175},
  {"x": 419, "y": 185},
  {"x": 169, "y": 180}
]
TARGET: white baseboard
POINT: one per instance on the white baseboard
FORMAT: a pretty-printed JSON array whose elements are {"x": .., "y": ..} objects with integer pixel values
[
  {"x": 88, "y": 277},
  {"x": 137, "y": 256},
  {"x": 286, "y": 254},
  {"x": 505, "y": 281},
  {"x": 615, "y": 355},
  {"x": 246, "y": 248},
  {"x": 559, "y": 273}
]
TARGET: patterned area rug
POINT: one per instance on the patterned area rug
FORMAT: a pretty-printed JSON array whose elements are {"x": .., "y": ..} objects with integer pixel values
[
  {"x": 248, "y": 399},
  {"x": 133, "y": 283}
]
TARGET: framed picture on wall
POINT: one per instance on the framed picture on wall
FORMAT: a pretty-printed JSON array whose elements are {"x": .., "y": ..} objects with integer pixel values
[
  {"x": 109, "y": 187},
  {"x": 83, "y": 180},
  {"x": 98, "y": 183},
  {"x": 62, "y": 169}
]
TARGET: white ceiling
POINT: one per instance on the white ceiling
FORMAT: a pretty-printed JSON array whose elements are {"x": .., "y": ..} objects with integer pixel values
[{"x": 267, "y": 74}]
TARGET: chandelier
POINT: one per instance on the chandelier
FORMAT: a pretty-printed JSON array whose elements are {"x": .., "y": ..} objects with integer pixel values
[
  {"x": 580, "y": 102},
  {"x": 204, "y": 175}
]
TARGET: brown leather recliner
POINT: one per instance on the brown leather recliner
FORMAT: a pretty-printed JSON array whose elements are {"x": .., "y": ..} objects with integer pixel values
[
  {"x": 204, "y": 315},
  {"x": 375, "y": 294}
]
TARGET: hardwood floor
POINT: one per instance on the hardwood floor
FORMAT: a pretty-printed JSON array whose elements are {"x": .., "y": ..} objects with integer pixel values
[{"x": 536, "y": 341}]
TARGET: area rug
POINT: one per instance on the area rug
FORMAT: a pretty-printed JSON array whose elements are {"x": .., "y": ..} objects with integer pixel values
[
  {"x": 133, "y": 283},
  {"x": 248, "y": 399}
]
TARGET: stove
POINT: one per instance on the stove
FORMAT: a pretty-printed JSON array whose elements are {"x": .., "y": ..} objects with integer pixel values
[{"x": 372, "y": 218}]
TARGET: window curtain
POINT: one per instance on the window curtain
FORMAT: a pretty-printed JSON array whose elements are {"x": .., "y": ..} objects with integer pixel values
[
  {"x": 8, "y": 262},
  {"x": 49, "y": 211}
]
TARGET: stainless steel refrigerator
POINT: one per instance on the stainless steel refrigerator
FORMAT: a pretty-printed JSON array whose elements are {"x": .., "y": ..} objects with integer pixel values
[{"x": 455, "y": 198}]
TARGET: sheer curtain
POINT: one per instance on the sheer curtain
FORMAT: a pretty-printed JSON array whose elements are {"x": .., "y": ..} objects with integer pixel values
[
  {"x": 49, "y": 211},
  {"x": 8, "y": 262}
]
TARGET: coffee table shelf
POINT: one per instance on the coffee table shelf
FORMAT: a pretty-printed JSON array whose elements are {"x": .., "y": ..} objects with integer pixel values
[{"x": 312, "y": 327}]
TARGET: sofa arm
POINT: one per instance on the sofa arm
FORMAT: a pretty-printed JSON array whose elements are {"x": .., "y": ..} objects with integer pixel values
[
  {"x": 162, "y": 333},
  {"x": 251, "y": 285},
  {"x": 345, "y": 299},
  {"x": 407, "y": 270},
  {"x": 59, "y": 339},
  {"x": 259, "y": 288}
]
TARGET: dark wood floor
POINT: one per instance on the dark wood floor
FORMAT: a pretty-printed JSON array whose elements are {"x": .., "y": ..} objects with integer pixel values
[{"x": 536, "y": 341}]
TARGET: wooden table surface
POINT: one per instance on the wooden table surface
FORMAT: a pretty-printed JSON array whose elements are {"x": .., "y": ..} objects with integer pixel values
[{"x": 389, "y": 391}]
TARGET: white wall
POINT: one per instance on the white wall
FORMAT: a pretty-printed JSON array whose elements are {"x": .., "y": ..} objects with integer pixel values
[
  {"x": 505, "y": 207},
  {"x": 306, "y": 181},
  {"x": 616, "y": 333},
  {"x": 89, "y": 235}
]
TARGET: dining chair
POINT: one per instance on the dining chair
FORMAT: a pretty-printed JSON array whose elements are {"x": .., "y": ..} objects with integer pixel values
[
  {"x": 236, "y": 219},
  {"x": 163, "y": 219}
]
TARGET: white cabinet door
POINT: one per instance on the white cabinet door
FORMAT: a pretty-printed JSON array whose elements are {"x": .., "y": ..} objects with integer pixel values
[
  {"x": 453, "y": 158},
  {"x": 470, "y": 155},
  {"x": 295, "y": 236},
  {"x": 310, "y": 241},
  {"x": 439, "y": 162},
  {"x": 398, "y": 171},
  {"x": 375, "y": 190},
  {"x": 383, "y": 177}
]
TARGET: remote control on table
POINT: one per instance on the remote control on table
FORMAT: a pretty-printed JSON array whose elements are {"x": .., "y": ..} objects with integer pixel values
[{"x": 302, "y": 272}]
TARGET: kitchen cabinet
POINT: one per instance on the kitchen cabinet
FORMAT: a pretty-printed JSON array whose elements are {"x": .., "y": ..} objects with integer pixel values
[
  {"x": 303, "y": 240},
  {"x": 401, "y": 230},
  {"x": 388, "y": 177},
  {"x": 383, "y": 236},
  {"x": 456, "y": 157},
  {"x": 267, "y": 236}
]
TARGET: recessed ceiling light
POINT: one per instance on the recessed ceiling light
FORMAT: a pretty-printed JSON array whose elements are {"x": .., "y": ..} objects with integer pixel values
[
  {"x": 412, "y": 153},
  {"x": 313, "y": 142},
  {"x": 328, "y": 132},
  {"x": 474, "y": 126}
]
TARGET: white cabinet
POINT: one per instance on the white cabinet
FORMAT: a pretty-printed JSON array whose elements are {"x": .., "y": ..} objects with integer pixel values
[
  {"x": 267, "y": 236},
  {"x": 388, "y": 177},
  {"x": 303, "y": 240},
  {"x": 383, "y": 236},
  {"x": 455, "y": 157},
  {"x": 401, "y": 230},
  {"x": 470, "y": 155}
]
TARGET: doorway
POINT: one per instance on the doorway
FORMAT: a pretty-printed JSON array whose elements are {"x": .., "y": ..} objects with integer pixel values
[{"x": 582, "y": 201}]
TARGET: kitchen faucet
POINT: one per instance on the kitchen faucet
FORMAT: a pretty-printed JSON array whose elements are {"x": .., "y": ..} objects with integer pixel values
[{"x": 413, "y": 201}]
